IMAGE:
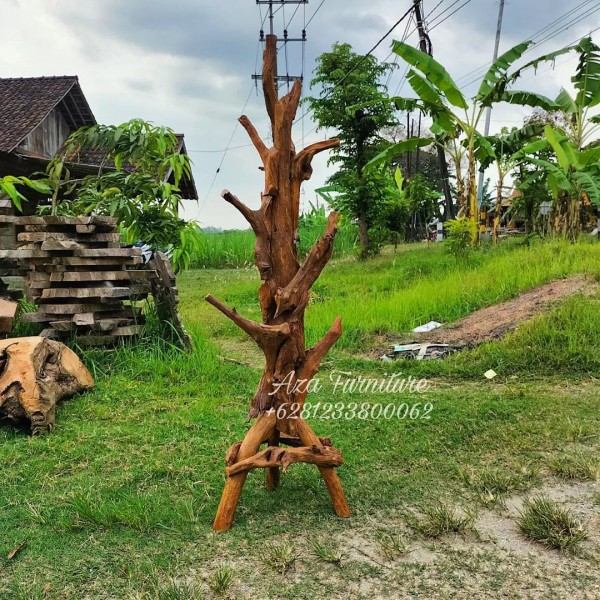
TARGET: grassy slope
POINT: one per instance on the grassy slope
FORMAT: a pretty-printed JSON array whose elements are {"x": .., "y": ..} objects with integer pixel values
[{"x": 121, "y": 496}]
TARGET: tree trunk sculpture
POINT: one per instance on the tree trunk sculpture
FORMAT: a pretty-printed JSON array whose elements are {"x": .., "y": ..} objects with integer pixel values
[{"x": 283, "y": 297}]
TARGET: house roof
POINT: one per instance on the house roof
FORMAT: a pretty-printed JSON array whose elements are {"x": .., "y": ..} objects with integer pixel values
[{"x": 25, "y": 102}]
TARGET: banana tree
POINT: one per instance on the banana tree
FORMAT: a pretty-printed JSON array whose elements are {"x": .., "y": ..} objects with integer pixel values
[
  {"x": 574, "y": 179},
  {"x": 453, "y": 116},
  {"x": 573, "y": 174},
  {"x": 505, "y": 151},
  {"x": 580, "y": 127}
]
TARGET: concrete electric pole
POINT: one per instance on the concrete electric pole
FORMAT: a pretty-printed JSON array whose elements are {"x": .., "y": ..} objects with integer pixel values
[{"x": 488, "y": 114}]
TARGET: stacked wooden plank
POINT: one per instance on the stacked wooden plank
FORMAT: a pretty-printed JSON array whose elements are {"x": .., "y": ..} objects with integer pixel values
[{"x": 81, "y": 279}]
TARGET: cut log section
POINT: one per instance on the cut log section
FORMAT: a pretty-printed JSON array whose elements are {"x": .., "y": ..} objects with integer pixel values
[{"x": 35, "y": 373}]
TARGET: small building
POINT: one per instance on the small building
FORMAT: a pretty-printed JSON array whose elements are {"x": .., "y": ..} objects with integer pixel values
[{"x": 37, "y": 115}]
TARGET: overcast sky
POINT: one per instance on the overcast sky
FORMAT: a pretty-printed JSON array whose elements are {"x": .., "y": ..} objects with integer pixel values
[{"x": 187, "y": 64}]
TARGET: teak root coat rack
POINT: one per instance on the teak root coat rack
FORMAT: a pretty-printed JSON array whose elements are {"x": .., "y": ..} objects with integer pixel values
[{"x": 283, "y": 296}]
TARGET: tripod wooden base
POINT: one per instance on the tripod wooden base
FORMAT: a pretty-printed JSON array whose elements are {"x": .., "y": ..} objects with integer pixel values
[{"x": 244, "y": 456}]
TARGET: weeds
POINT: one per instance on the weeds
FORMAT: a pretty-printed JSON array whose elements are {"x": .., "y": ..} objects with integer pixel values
[
  {"x": 544, "y": 521},
  {"x": 492, "y": 485},
  {"x": 578, "y": 466},
  {"x": 221, "y": 579},
  {"x": 280, "y": 557},
  {"x": 327, "y": 552},
  {"x": 392, "y": 545},
  {"x": 438, "y": 519}
]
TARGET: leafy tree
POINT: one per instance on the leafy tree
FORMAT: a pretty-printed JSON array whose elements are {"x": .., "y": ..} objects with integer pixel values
[
  {"x": 9, "y": 187},
  {"x": 131, "y": 184},
  {"x": 348, "y": 80}
]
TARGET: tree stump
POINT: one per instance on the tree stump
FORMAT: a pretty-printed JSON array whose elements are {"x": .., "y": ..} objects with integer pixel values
[
  {"x": 283, "y": 297},
  {"x": 35, "y": 373}
]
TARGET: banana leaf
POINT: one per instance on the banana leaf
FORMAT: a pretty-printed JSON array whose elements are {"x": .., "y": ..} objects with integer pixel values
[{"x": 434, "y": 72}]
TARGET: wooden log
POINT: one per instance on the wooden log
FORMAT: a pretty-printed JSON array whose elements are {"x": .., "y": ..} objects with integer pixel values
[
  {"x": 84, "y": 276},
  {"x": 50, "y": 220},
  {"x": 36, "y": 374},
  {"x": 39, "y": 283},
  {"x": 23, "y": 254},
  {"x": 73, "y": 309},
  {"x": 273, "y": 456},
  {"x": 95, "y": 324},
  {"x": 83, "y": 319},
  {"x": 85, "y": 228},
  {"x": 47, "y": 262},
  {"x": 234, "y": 484},
  {"x": 66, "y": 245},
  {"x": 107, "y": 252}
]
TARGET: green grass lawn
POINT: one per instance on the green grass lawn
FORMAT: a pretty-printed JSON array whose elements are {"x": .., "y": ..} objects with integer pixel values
[{"x": 118, "y": 501}]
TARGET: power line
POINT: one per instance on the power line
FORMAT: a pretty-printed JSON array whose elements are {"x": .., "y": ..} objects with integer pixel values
[
  {"x": 444, "y": 12},
  {"x": 225, "y": 152},
  {"x": 315, "y": 13},
  {"x": 550, "y": 36},
  {"x": 359, "y": 63},
  {"x": 531, "y": 37},
  {"x": 484, "y": 67},
  {"x": 291, "y": 18},
  {"x": 452, "y": 13},
  {"x": 428, "y": 16}
]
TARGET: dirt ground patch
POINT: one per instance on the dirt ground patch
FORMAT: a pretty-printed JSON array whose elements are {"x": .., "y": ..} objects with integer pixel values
[{"x": 497, "y": 320}]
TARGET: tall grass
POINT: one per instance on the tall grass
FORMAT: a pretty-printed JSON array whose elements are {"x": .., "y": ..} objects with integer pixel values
[
  {"x": 234, "y": 249},
  {"x": 230, "y": 249},
  {"x": 394, "y": 295}
]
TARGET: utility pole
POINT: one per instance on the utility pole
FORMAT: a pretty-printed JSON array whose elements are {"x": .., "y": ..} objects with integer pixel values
[
  {"x": 426, "y": 46},
  {"x": 488, "y": 114},
  {"x": 287, "y": 78}
]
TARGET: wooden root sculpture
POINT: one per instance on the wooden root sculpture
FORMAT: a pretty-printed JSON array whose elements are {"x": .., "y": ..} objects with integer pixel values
[
  {"x": 283, "y": 297},
  {"x": 35, "y": 373}
]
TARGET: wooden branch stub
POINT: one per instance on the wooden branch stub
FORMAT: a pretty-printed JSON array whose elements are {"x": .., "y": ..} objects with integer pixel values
[
  {"x": 254, "y": 136},
  {"x": 268, "y": 75},
  {"x": 259, "y": 223},
  {"x": 302, "y": 169},
  {"x": 232, "y": 454},
  {"x": 274, "y": 456},
  {"x": 266, "y": 336},
  {"x": 317, "y": 353},
  {"x": 296, "y": 293}
]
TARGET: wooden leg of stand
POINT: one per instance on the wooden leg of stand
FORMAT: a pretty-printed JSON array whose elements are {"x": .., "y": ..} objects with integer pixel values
[
  {"x": 272, "y": 481},
  {"x": 260, "y": 431},
  {"x": 332, "y": 481}
]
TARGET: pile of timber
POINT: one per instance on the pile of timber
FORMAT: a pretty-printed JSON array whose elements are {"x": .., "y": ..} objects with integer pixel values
[{"x": 82, "y": 281}]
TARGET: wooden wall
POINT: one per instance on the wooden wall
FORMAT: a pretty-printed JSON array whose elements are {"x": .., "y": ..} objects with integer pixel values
[{"x": 47, "y": 137}]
